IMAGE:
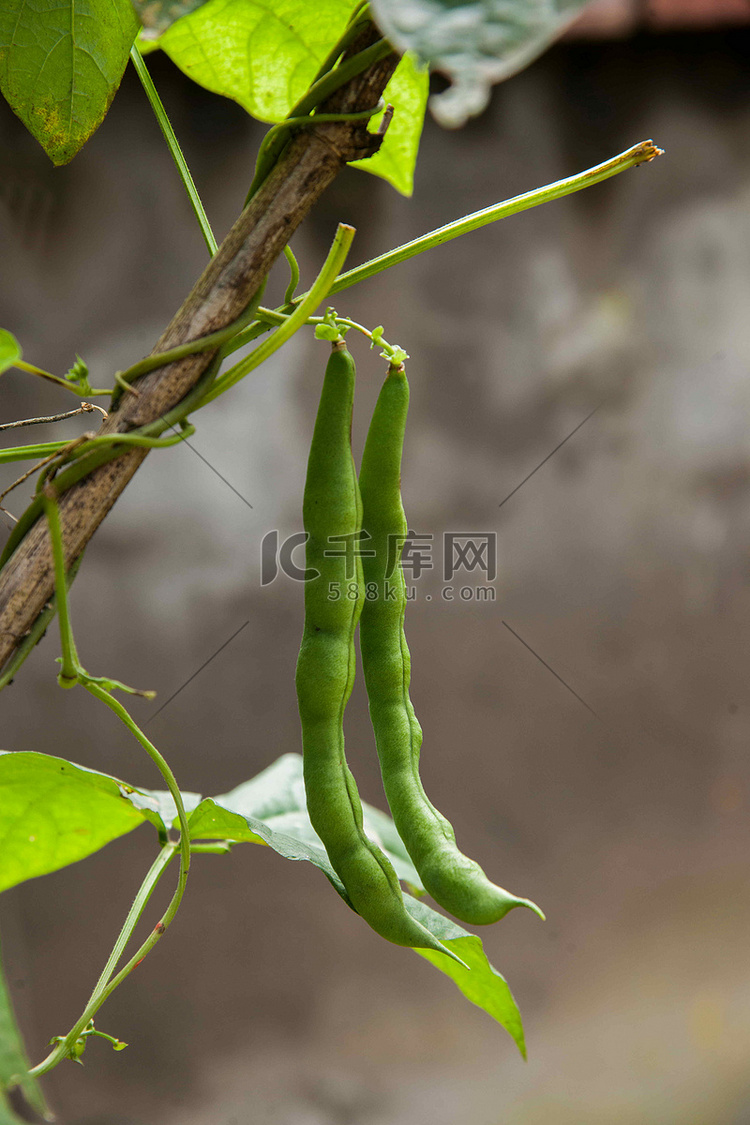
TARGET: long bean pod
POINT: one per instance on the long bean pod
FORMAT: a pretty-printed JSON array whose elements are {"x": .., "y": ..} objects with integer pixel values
[
  {"x": 332, "y": 513},
  {"x": 455, "y": 881}
]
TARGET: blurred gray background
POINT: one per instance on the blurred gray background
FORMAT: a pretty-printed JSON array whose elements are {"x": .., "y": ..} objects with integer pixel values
[{"x": 622, "y": 563}]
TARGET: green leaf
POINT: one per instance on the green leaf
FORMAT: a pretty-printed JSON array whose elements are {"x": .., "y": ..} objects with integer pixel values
[
  {"x": 14, "y": 1062},
  {"x": 481, "y": 983},
  {"x": 53, "y": 813},
  {"x": 474, "y": 43},
  {"x": 61, "y": 62},
  {"x": 158, "y": 15},
  {"x": 10, "y": 350},
  {"x": 397, "y": 157},
  {"x": 271, "y": 809},
  {"x": 262, "y": 55}
]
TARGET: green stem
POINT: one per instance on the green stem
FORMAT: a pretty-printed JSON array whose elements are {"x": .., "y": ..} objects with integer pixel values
[
  {"x": 329, "y": 81},
  {"x": 77, "y": 389},
  {"x": 638, "y": 154},
  {"x": 31, "y": 452},
  {"x": 106, "y": 441},
  {"x": 174, "y": 148},
  {"x": 105, "y": 986},
  {"x": 321, "y": 90},
  {"x": 258, "y": 327},
  {"x": 74, "y": 673},
  {"x": 161, "y": 764},
  {"x": 358, "y": 17},
  {"x": 192, "y": 347},
  {"x": 35, "y": 634},
  {"x": 73, "y": 670},
  {"x": 70, "y": 662},
  {"x": 317, "y": 293},
  {"x": 112, "y": 448},
  {"x": 146, "y": 889}
]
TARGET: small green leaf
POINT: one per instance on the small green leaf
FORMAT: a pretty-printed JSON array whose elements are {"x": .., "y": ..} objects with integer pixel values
[
  {"x": 397, "y": 156},
  {"x": 14, "y": 1062},
  {"x": 78, "y": 373},
  {"x": 10, "y": 350},
  {"x": 158, "y": 15},
  {"x": 53, "y": 813},
  {"x": 61, "y": 62},
  {"x": 474, "y": 44}
]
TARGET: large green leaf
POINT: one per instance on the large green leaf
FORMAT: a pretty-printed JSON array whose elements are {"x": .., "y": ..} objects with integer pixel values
[
  {"x": 262, "y": 55},
  {"x": 265, "y": 57},
  {"x": 14, "y": 1063},
  {"x": 474, "y": 42},
  {"x": 10, "y": 350},
  {"x": 61, "y": 62},
  {"x": 53, "y": 813}
]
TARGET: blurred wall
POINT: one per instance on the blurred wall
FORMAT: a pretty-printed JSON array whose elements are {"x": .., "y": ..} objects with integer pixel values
[{"x": 622, "y": 808}]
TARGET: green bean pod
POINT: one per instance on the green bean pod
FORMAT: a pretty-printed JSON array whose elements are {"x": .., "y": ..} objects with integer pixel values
[
  {"x": 456, "y": 882},
  {"x": 332, "y": 512}
]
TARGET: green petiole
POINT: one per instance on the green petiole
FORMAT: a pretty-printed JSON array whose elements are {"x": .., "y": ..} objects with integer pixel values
[
  {"x": 78, "y": 389},
  {"x": 174, "y": 148},
  {"x": 148, "y": 886}
]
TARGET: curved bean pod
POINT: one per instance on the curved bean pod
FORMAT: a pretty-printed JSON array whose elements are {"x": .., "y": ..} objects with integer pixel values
[
  {"x": 332, "y": 512},
  {"x": 458, "y": 883}
]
